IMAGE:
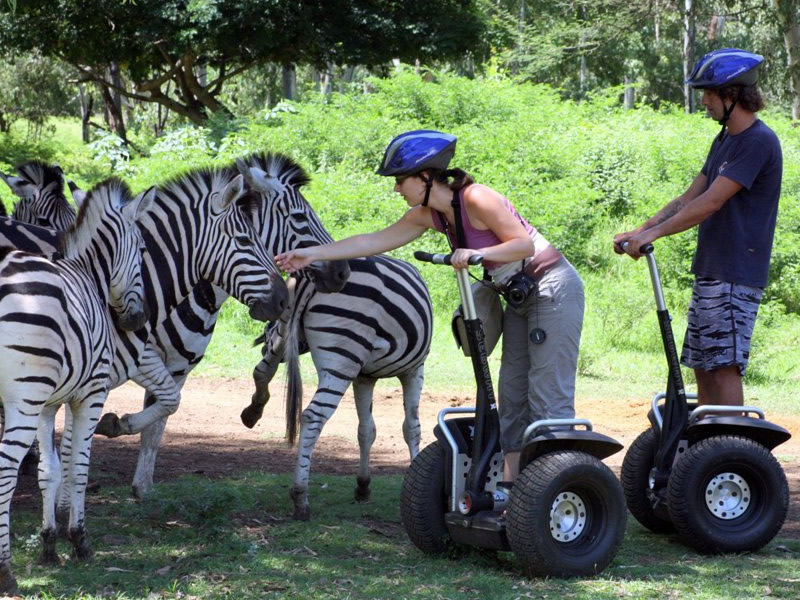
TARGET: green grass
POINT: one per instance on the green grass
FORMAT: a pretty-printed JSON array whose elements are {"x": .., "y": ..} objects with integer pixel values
[{"x": 235, "y": 539}]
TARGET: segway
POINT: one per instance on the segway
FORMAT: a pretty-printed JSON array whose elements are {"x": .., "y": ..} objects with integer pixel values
[
  {"x": 706, "y": 471},
  {"x": 565, "y": 514}
]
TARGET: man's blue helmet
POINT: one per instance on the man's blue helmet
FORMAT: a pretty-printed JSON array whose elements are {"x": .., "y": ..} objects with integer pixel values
[
  {"x": 415, "y": 151},
  {"x": 727, "y": 66}
]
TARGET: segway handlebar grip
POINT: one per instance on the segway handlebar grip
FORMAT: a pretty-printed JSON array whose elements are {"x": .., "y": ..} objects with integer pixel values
[
  {"x": 646, "y": 249},
  {"x": 444, "y": 259}
]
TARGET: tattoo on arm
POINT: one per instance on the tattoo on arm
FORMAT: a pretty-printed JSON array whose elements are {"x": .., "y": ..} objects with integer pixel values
[{"x": 670, "y": 210}]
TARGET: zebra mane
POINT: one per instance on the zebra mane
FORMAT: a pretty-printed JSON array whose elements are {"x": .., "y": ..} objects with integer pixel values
[
  {"x": 92, "y": 209},
  {"x": 41, "y": 174},
  {"x": 281, "y": 166}
]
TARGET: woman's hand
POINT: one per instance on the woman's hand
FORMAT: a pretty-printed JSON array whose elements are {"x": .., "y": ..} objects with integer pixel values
[
  {"x": 294, "y": 260},
  {"x": 460, "y": 257}
]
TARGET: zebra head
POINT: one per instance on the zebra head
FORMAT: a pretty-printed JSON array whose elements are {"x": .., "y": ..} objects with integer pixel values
[
  {"x": 285, "y": 219},
  {"x": 232, "y": 256},
  {"x": 40, "y": 188},
  {"x": 106, "y": 239}
]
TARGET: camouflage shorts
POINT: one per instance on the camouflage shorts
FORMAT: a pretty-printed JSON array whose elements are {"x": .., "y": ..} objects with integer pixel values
[{"x": 721, "y": 320}]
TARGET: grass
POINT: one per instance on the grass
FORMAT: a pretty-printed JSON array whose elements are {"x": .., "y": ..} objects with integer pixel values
[{"x": 234, "y": 539}]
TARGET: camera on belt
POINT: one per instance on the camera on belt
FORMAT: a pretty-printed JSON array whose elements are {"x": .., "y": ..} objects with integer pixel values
[{"x": 518, "y": 288}]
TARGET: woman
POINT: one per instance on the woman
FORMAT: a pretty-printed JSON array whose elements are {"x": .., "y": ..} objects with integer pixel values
[{"x": 542, "y": 332}]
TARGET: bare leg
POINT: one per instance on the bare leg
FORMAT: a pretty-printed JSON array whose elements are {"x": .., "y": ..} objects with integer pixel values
[
  {"x": 511, "y": 466},
  {"x": 720, "y": 386}
]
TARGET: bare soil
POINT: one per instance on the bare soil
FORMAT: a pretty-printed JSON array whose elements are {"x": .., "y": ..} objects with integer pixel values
[{"x": 206, "y": 437}]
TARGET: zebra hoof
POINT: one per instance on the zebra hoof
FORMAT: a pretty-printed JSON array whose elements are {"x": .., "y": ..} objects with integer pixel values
[
  {"x": 81, "y": 550},
  {"x": 251, "y": 415},
  {"x": 109, "y": 426},
  {"x": 362, "y": 490},
  {"x": 8, "y": 585},
  {"x": 302, "y": 513},
  {"x": 302, "y": 510},
  {"x": 48, "y": 555}
]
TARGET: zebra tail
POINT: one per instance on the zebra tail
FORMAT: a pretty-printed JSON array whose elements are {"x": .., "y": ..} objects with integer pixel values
[
  {"x": 260, "y": 340},
  {"x": 294, "y": 387}
]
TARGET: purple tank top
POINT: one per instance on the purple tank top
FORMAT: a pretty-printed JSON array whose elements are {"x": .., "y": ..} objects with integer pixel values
[{"x": 483, "y": 238}]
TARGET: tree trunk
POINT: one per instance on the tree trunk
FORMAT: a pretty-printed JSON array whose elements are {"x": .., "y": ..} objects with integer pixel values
[
  {"x": 289, "y": 82},
  {"x": 87, "y": 102},
  {"x": 789, "y": 18},
  {"x": 113, "y": 115},
  {"x": 630, "y": 93},
  {"x": 688, "y": 53}
]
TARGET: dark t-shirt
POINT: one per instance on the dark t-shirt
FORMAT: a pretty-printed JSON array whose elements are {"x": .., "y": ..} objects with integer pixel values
[{"x": 734, "y": 244}]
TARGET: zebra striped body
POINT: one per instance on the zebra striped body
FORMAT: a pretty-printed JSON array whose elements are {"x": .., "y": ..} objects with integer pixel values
[
  {"x": 283, "y": 219},
  {"x": 40, "y": 188},
  {"x": 378, "y": 326},
  {"x": 57, "y": 343},
  {"x": 200, "y": 229}
]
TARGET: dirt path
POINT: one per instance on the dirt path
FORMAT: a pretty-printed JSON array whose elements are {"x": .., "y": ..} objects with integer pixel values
[{"x": 206, "y": 437}]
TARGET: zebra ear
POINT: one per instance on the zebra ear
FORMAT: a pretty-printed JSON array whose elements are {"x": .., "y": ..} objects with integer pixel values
[
  {"x": 144, "y": 201},
  {"x": 20, "y": 187},
  {"x": 231, "y": 193},
  {"x": 262, "y": 182},
  {"x": 78, "y": 195}
]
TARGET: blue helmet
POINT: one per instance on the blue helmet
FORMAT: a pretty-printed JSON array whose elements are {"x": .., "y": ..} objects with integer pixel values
[
  {"x": 415, "y": 151},
  {"x": 727, "y": 66}
]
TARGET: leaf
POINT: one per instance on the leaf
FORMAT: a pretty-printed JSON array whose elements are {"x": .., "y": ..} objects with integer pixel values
[{"x": 163, "y": 570}]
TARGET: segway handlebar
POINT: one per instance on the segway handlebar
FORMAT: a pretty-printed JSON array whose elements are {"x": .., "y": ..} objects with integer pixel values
[
  {"x": 444, "y": 259},
  {"x": 655, "y": 278},
  {"x": 646, "y": 249}
]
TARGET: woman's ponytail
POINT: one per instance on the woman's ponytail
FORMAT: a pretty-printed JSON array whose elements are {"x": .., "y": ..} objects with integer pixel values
[{"x": 461, "y": 178}]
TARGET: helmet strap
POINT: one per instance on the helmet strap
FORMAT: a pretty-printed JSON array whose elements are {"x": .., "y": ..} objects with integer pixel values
[
  {"x": 726, "y": 115},
  {"x": 428, "y": 185}
]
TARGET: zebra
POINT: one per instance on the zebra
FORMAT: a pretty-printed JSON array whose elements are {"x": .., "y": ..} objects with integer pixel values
[
  {"x": 380, "y": 325},
  {"x": 200, "y": 228},
  {"x": 284, "y": 219},
  {"x": 56, "y": 337},
  {"x": 40, "y": 188}
]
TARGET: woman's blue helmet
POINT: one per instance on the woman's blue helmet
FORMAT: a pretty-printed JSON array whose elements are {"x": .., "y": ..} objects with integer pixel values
[
  {"x": 727, "y": 66},
  {"x": 415, "y": 151}
]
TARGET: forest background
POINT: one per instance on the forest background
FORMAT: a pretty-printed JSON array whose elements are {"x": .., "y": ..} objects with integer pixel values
[{"x": 575, "y": 110}]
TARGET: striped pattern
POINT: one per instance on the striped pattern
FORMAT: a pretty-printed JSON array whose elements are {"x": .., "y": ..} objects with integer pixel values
[
  {"x": 283, "y": 219},
  {"x": 378, "y": 326},
  {"x": 40, "y": 188},
  {"x": 200, "y": 231},
  {"x": 56, "y": 339}
]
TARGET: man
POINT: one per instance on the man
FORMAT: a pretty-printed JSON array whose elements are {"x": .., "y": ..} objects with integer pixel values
[{"x": 734, "y": 199}]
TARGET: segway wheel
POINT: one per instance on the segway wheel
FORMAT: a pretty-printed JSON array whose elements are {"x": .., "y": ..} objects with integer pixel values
[
  {"x": 566, "y": 516},
  {"x": 423, "y": 501},
  {"x": 727, "y": 494},
  {"x": 635, "y": 480}
]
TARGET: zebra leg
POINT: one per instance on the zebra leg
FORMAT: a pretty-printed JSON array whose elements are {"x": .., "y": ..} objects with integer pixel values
[
  {"x": 412, "y": 389},
  {"x": 152, "y": 375},
  {"x": 49, "y": 482},
  {"x": 85, "y": 415},
  {"x": 325, "y": 401},
  {"x": 148, "y": 446},
  {"x": 65, "y": 489},
  {"x": 18, "y": 435},
  {"x": 362, "y": 390},
  {"x": 262, "y": 375}
]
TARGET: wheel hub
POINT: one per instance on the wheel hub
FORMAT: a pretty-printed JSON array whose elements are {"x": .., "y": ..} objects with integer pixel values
[
  {"x": 727, "y": 496},
  {"x": 567, "y": 516}
]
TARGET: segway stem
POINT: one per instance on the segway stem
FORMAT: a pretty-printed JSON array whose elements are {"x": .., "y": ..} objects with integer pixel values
[{"x": 675, "y": 405}]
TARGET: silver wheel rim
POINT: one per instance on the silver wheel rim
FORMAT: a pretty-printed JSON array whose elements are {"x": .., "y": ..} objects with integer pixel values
[
  {"x": 727, "y": 496},
  {"x": 567, "y": 516}
]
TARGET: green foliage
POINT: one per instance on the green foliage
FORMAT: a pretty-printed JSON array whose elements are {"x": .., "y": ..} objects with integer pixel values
[
  {"x": 110, "y": 151},
  {"x": 580, "y": 172}
]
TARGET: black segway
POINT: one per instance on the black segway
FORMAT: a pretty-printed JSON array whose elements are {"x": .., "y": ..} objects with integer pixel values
[
  {"x": 565, "y": 514},
  {"x": 704, "y": 471}
]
